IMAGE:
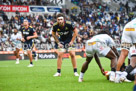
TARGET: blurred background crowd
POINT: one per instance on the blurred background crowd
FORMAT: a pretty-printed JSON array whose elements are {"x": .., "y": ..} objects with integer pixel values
[{"x": 93, "y": 17}]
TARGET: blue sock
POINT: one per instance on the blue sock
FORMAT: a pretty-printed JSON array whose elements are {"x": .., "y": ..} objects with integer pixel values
[
  {"x": 75, "y": 69},
  {"x": 34, "y": 54},
  {"x": 31, "y": 62},
  {"x": 59, "y": 70},
  {"x": 134, "y": 89}
]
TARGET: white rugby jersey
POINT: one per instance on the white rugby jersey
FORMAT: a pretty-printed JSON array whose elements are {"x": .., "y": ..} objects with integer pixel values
[
  {"x": 15, "y": 37},
  {"x": 102, "y": 38},
  {"x": 129, "y": 32},
  {"x": 131, "y": 24}
]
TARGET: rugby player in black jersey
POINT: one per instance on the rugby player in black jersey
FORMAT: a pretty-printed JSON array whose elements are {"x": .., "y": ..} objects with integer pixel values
[
  {"x": 67, "y": 34},
  {"x": 28, "y": 33}
]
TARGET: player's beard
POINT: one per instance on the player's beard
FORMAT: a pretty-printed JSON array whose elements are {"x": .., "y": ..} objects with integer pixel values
[{"x": 61, "y": 24}]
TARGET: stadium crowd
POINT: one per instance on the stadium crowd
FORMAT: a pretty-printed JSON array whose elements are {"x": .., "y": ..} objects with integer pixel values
[{"x": 92, "y": 18}]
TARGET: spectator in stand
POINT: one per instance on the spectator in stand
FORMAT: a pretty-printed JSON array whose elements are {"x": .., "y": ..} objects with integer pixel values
[{"x": 92, "y": 15}]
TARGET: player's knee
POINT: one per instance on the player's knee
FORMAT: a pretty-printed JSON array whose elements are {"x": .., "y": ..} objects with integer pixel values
[
  {"x": 133, "y": 64},
  {"x": 29, "y": 53},
  {"x": 124, "y": 53},
  {"x": 133, "y": 60},
  {"x": 88, "y": 62},
  {"x": 15, "y": 52},
  {"x": 60, "y": 55},
  {"x": 72, "y": 55}
]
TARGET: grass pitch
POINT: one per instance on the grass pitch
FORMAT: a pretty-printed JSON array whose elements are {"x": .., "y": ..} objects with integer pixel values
[{"x": 18, "y": 77}]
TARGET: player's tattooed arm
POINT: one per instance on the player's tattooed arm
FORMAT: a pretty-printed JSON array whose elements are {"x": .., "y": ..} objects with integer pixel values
[{"x": 56, "y": 39}]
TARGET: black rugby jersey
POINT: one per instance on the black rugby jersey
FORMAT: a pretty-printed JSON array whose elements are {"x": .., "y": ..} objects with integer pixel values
[
  {"x": 64, "y": 32},
  {"x": 27, "y": 32}
]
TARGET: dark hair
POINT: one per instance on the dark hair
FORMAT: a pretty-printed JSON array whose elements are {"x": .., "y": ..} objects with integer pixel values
[
  {"x": 60, "y": 15},
  {"x": 104, "y": 32}
]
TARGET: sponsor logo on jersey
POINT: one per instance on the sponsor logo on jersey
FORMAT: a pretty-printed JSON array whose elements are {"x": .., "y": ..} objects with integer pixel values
[
  {"x": 66, "y": 28},
  {"x": 25, "y": 32},
  {"x": 63, "y": 33},
  {"x": 91, "y": 43},
  {"x": 58, "y": 29},
  {"x": 129, "y": 29},
  {"x": 133, "y": 51},
  {"x": 101, "y": 48}
]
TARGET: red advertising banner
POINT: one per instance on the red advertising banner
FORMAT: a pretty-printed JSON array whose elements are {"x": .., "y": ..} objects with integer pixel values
[
  {"x": 20, "y": 8},
  {"x": 5, "y": 8},
  {"x": 14, "y": 8}
]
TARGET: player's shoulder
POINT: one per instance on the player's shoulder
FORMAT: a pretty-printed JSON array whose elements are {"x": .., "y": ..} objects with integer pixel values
[
  {"x": 68, "y": 22},
  {"x": 107, "y": 36},
  {"x": 30, "y": 27},
  {"x": 22, "y": 28},
  {"x": 18, "y": 34},
  {"x": 55, "y": 24},
  {"x": 128, "y": 24},
  {"x": 131, "y": 24}
]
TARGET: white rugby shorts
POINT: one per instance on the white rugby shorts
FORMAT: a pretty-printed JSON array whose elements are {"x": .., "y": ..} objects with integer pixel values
[{"x": 96, "y": 47}]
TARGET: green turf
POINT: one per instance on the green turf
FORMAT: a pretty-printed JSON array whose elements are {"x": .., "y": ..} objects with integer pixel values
[{"x": 40, "y": 78}]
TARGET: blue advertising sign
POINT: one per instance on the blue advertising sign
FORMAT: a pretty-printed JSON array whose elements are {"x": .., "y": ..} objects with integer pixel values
[
  {"x": 53, "y": 9},
  {"x": 37, "y": 9}
]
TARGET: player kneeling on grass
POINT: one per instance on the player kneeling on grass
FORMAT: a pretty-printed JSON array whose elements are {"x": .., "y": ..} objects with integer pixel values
[
  {"x": 129, "y": 78},
  {"x": 67, "y": 34},
  {"x": 16, "y": 43},
  {"x": 101, "y": 44}
]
